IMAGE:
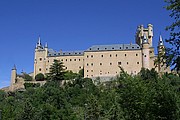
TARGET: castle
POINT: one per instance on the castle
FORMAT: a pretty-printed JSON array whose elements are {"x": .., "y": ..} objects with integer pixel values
[
  {"x": 101, "y": 61},
  {"x": 104, "y": 60}
]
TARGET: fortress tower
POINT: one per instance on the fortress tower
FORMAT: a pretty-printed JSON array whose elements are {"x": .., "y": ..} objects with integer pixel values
[
  {"x": 40, "y": 58},
  {"x": 148, "y": 32},
  {"x": 13, "y": 78},
  {"x": 145, "y": 52},
  {"x": 161, "y": 51}
]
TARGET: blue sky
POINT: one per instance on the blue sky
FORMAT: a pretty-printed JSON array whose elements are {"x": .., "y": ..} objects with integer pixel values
[{"x": 71, "y": 25}]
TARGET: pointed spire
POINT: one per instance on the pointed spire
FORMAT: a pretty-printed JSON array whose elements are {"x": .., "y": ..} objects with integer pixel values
[
  {"x": 160, "y": 41},
  {"x": 46, "y": 45},
  {"x": 14, "y": 67},
  {"x": 145, "y": 38},
  {"x": 39, "y": 41}
]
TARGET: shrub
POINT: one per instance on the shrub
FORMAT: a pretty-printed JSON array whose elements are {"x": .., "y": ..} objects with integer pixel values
[{"x": 39, "y": 77}]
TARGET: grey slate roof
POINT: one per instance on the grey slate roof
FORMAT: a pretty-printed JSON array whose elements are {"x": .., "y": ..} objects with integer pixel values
[
  {"x": 51, "y": 52},
  {"x": 114, "y": 47},
  {"x": 95, "y": 48}
]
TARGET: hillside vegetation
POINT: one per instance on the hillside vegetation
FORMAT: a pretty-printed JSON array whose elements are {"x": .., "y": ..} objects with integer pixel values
[{"x": 146, "y": 96}]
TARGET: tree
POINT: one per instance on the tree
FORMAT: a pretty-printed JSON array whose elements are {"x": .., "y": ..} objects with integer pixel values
[
  {"x": 173, "y": 53},
  {"x": 56, "y": 71},
  {"x": 27, "y": 77},
  {"x": 39, "y": 77}
]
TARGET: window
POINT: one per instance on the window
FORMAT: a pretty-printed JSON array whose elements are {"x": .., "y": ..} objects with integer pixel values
[
  {"x": 119, "y": 63},
  {"x": 144, "y": 55},
  {"x": 92, "y": 56},
  {"x": 110, "y": 55},
  {"x": 91, "y": 64},
  {"x": 70, "y": 60},
  {"x": 105, "y": 48},
  {"x": 116, "y": 55},
  {"x": 48, "y": 60},
  {"x": 40, "y": 59},
  {"x": 87, "y": 64},
  {"x": 65, "y": 67},
  {"x": 125, "y": 54},
  {"x": 136, "y": 54},
  {"x": 126, "y": 47},
  {"x": 66, "y": 59},
  {"x": 113, "y": 48},
  {"x": 98, "y": 48},
  {"x": 133, "y": 47},
  {"x": 110, "y": 63},
  {"x": 61, "y": 59},
  {"x": 79, "y": 59},
  {"x": 39, "y": 69},
  {"x": 91, "y": 70},
  {"x": 120, "y": 48},
  {"x": 79, "y": 67},
  {"x": 127, "y": 63},
  {"x": 100, "y": 63},
  {"x": 87, "y": 56},
  {"x": 87, "y": 70},
  {"x": 137, "y": 62},
  {"x": 74, "y": 59},
  {"x": 89, "y": 48},
  {"x": 101, "y": 55}
]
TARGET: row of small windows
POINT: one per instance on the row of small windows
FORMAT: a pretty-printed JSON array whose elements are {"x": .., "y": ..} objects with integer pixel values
[
  {"x": 65, "y": 68},
  {"x": 66, "y": 54},
  {"x": 40, "y": 59},
  {"x": 119, "y": 63},
  {"x": 109, "y": 55},
  {"x": 114, "y": 48}
]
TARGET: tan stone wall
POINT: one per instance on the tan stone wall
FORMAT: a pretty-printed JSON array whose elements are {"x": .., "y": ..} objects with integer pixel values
[
  {"x": 73, "y": 63},
  {"x": 105, "y": 63},
  {"x": 40, "y": 61}
]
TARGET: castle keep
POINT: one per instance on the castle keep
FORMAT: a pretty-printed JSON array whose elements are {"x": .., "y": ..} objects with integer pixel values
[{"x": 104, "y": 60}]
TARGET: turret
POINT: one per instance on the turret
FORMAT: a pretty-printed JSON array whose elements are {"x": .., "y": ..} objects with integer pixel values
[
  {"x": 145, "y": 52},
  {"x": 13, "y": 77},
  {"x": 161, "y": 52},
  {"x": 140, "y": 34},
  {"x": 40, "y": 58}
]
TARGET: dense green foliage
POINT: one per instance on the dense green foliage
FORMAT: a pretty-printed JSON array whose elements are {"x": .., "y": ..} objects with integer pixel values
[
  {"x": 173, "y": 53},
  {"x": 56, "y": 72},
  {"x": 27, "y": 77},
  {"x": 28, "y": 85},
  {"x": 146, "y": 96},
  {"x": 39, "y": 77}
]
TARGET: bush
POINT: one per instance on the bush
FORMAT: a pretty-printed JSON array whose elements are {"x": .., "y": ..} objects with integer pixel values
[
  {"x": 39, "y": 77},
  {"x": 27, "y": 77},
  {"x": 28, "y": 85}
]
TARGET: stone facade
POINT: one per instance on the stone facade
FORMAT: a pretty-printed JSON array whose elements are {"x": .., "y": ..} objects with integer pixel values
[{"x": 104, "y": 60}]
